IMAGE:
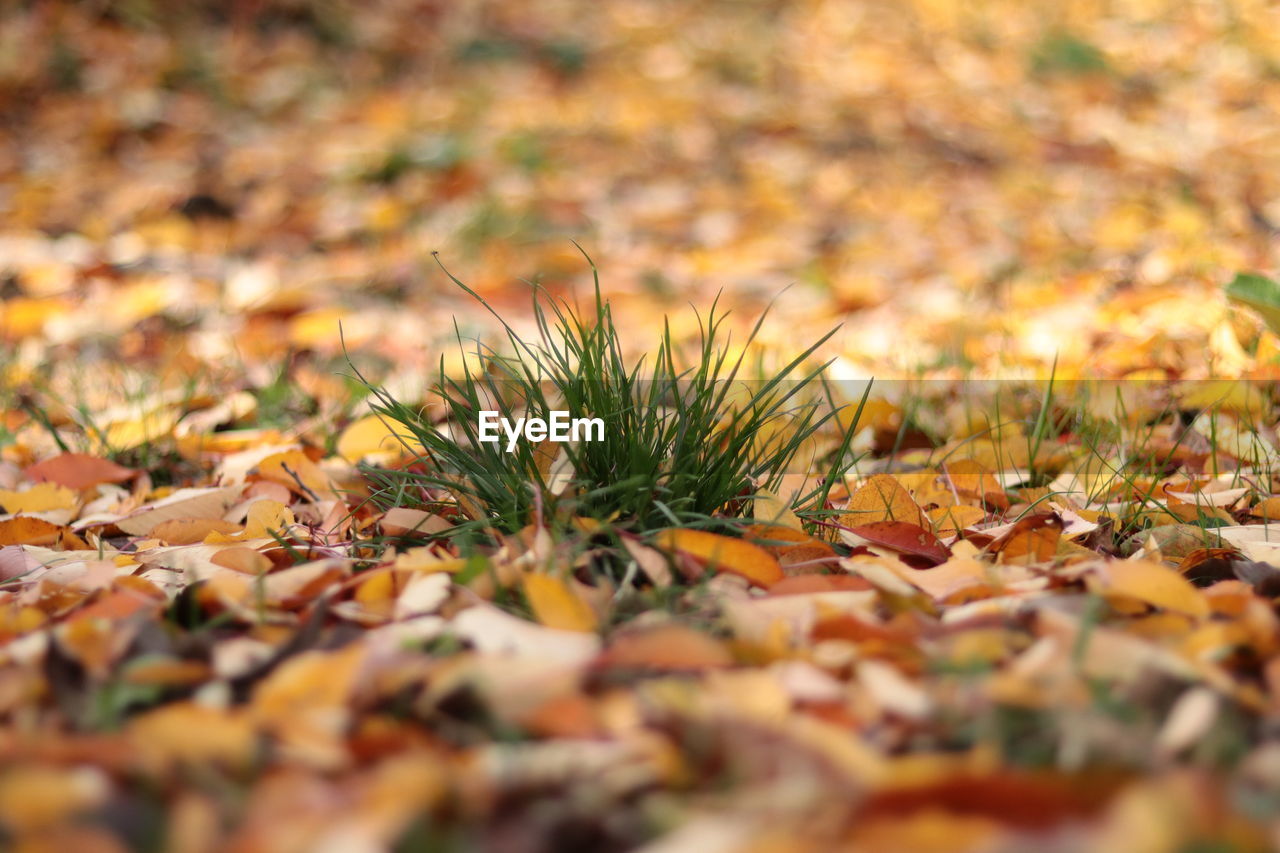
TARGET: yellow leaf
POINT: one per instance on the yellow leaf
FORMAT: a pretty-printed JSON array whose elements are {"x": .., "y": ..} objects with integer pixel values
[
  {"x": 132, "y": 432},
  {"x": 317, "y": 328},
  {"x": 1241, "y": 397},
  {"x": 771, "y": 508},
  {"x": 949, "y": 519},
  {"x": 724, "y": 553},
  {"x": 163, "y": 737},
  {"x": 377, "y": 591},
  {"x": 882, "y": 498},
  {"x": 305, "y": 703},
  {"x": 38, "y": 498},
  {"x": 1153, "y": 584},
  {"x": 368, "y": 436},
  {"x": 34, "y": 797},
  {"x": 428, "y": 560},
  {"x": 556, "y": 605},
  {"x": 294, "y": 470},
  {"x": 266, "y": 517}
]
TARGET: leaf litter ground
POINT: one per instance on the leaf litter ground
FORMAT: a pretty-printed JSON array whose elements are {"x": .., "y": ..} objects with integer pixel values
[{"x": 1032, "y": 614}]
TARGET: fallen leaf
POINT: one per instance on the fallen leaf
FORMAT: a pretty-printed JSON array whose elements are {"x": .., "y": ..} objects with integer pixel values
[
  {"x": 724, "y": 553},
  {"x": 1153, "y": 584},
  {"x": 369, "y": 436},
  {"x": 1033, "y": 539},
  {"x": 556, "y": 605},
  {"x": 403, "y": 521},
  {"x": 882, "y": 498},
  {"x": 39, "y": 498},
  {"x": 666, "y": 647},
  {"x": 78, "y": 471},
  {"x": 904, "y": 538},
  {"x": 26, "y": 530},
  {"x": 208, "y": 503},
  {"x": 244, "y": 560},
  {"x": 294, "y": 470},
  {"x": 189, "y": 531}
]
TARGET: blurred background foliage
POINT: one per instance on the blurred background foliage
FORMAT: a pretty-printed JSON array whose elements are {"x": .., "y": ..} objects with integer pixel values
[{"x": 1001, "y": 183}]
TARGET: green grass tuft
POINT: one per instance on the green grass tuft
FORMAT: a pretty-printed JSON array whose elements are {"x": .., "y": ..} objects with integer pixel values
[{"x": 682, "y": 446}]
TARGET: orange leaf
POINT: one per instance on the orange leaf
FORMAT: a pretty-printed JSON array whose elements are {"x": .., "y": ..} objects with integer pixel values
[
  {"x": 1034, "y": 539},
  {"x": 724, "y": 553},
  {"x": 294, "y": 470},
  {"x": 78, "y": 471},
  {"x": 974, "y": 481},
  {"x": 667, "y": 647},
  {"x": 28, "y": 530},
  {"x": 244, "y": 560},
  {"x": 808, "y": 584},
  {"x": 556, "y": 605},
  {"x": 1268, "y": 508},
  {"x": 882, "y": 498}
]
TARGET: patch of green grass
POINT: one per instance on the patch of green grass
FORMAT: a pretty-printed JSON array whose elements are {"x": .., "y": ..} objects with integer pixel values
[
  {"x": 682, "y": 446},
  {"x": 1067, "y": 54}
]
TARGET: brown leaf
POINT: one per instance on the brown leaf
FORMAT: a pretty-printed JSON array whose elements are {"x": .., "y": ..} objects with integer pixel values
[
  {"x": 189, "y": 531},
  {"x": 78, "y": 471},
  {"x": 1027, "y": 800},
  {"x": 905, "y": 538}
]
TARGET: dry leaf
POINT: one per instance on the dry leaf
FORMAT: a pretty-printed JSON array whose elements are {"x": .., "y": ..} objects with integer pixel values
[
  {"x": 556, "y": 605},
  {"x": 723, "y": 553},
  {"x": 1153, "y": 584},
  {"x": 666, "y": 647},
  {"x": 882, "y": 498},
  {"x": 77, "y": 471}
]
